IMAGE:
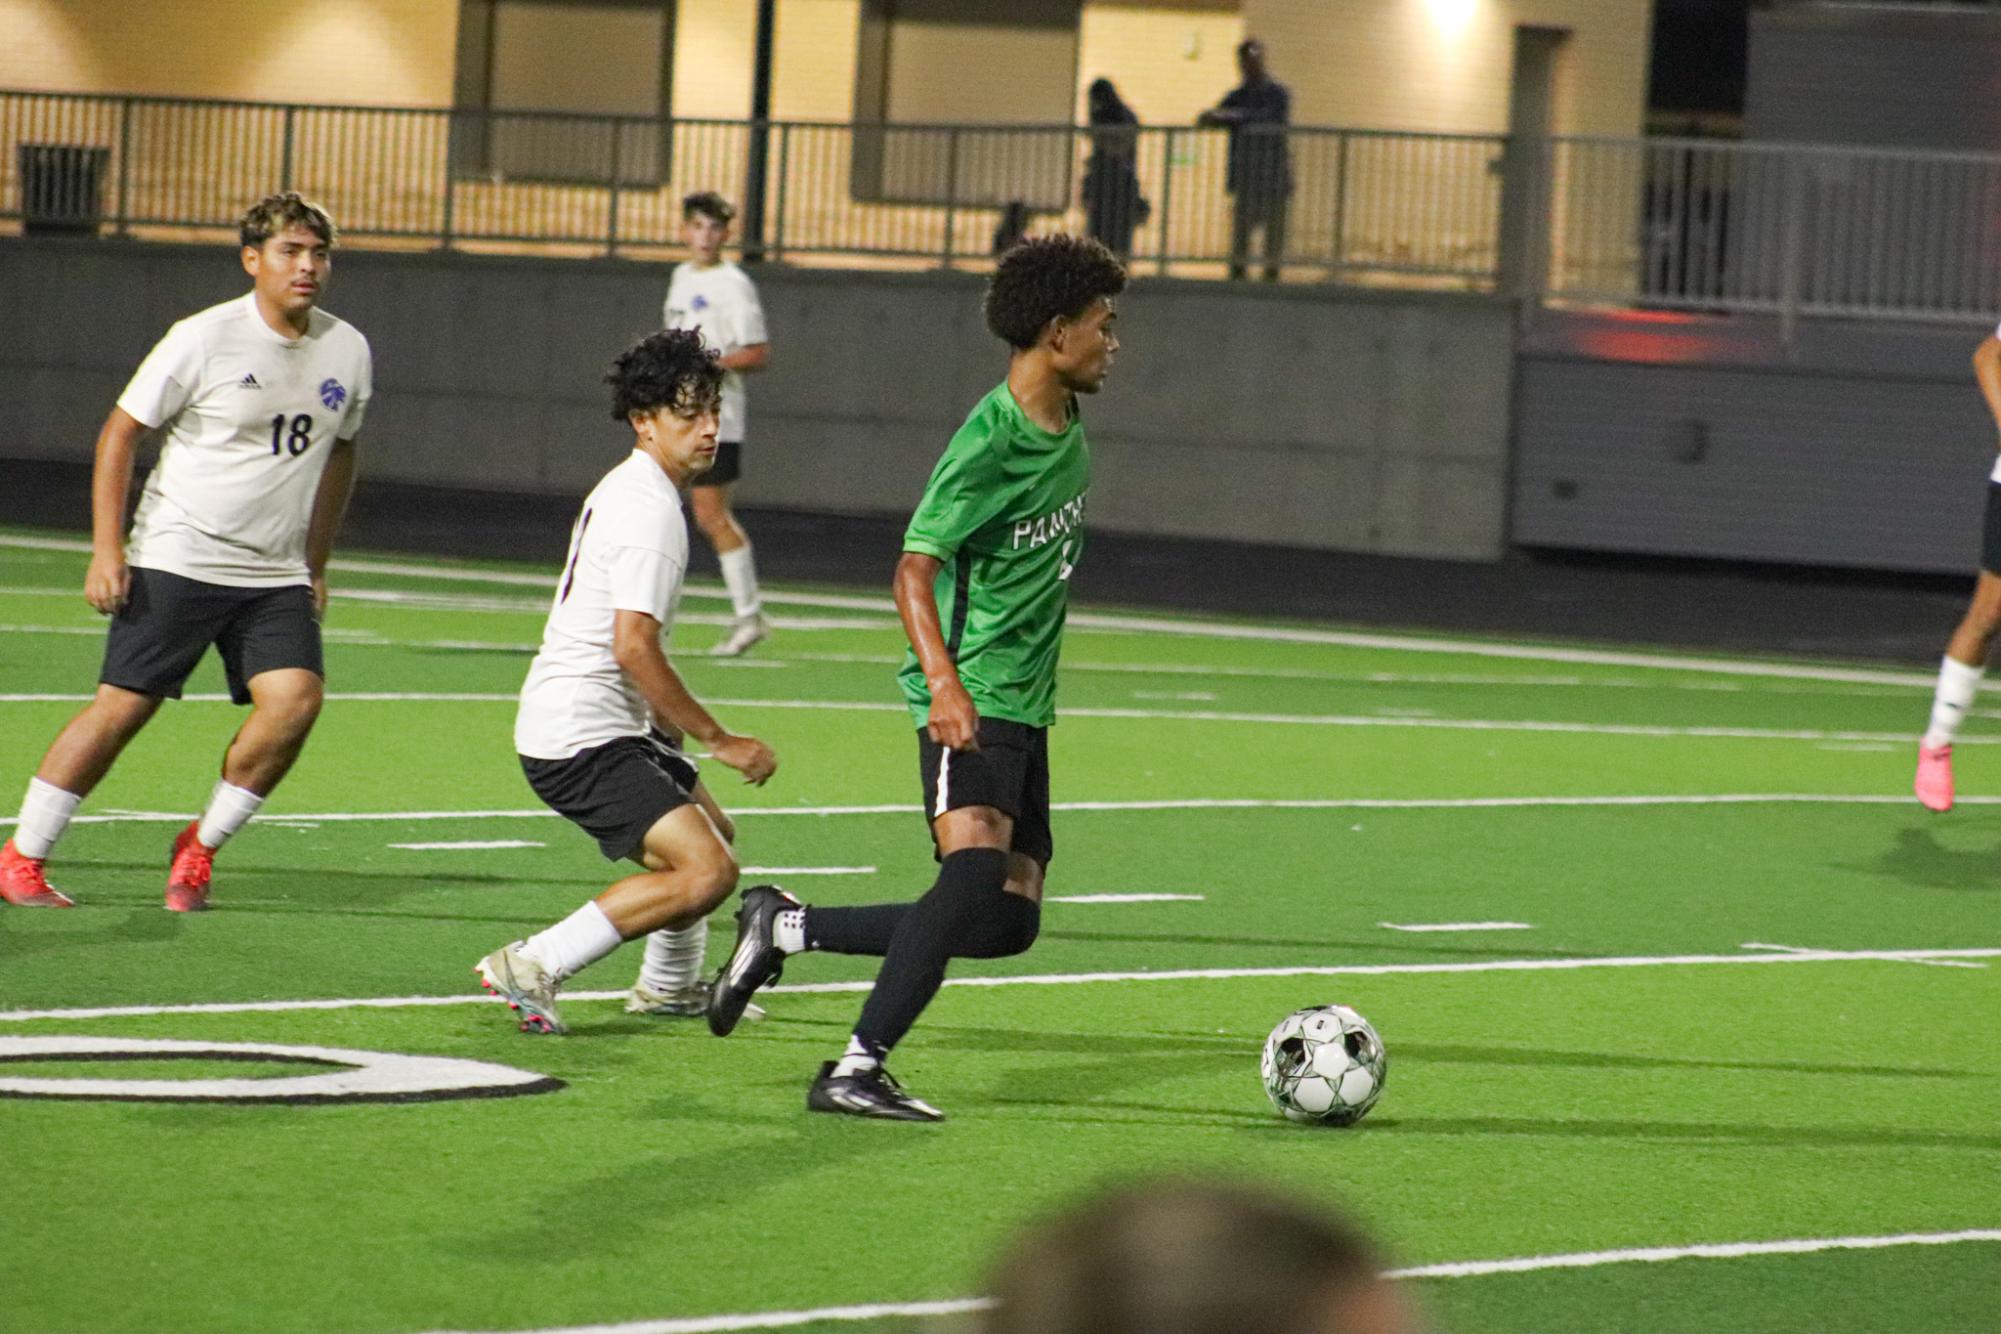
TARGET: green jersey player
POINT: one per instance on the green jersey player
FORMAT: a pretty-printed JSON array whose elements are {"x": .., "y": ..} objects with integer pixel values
[{"x": 982, "y": 588}]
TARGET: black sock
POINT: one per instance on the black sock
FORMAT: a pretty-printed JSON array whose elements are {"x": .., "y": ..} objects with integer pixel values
[
  {"x": 865, "y": 930},
  {"x": 936, "y": 927}
]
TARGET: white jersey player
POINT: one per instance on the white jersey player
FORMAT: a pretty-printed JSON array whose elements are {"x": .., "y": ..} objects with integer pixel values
[
  {"x": 261, "y": 400},
  {"x": 1966, "y": 653},
  {"x": 603, "y": 712},
  {"x": 715, "y": 297}
]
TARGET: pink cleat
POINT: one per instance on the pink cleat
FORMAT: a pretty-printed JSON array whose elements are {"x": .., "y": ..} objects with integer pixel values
[
  {"x": 1934, "y": 781},
  {"x": 188, "y": 877},
  {"x": 23, "y": 884}
]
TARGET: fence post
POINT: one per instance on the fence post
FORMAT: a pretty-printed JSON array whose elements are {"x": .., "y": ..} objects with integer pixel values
[
  {"x": 1340, "y": 205},
  {"x": 1166, "y": 197},
  {"x": 778, "y": 210},
  {"x": 285, "y": 164},
  {"x": 617, "y": 170},
  {"x": 951, "y": 191},
  {"x": 124, "y": 163},
  {"x": 1792, "y": 208},
  {"x": 445, "y": 222}
]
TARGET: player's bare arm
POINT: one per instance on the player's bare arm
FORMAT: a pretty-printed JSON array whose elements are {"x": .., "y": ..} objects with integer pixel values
[
  {"x": 329, "y": 508},
  {"x": 1987, "y": 372},
  {"x": 954, "y": 721},
  {"x": 744, "y": 360},
  {"x": 108, "y": 580},
  {"x": 636, "y": 646}
]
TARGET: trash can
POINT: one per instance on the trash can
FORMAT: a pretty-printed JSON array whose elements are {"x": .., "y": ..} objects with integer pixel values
[{"x": 61, "y": 188}]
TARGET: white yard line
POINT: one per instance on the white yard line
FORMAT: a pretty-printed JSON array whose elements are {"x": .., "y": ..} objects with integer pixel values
[
  {"x": 808, "y": 870},
  {"x": 1116, "y": 623},
  {"x": 471, "y": 845},
  {"x": 1456, "y": 926},
  {"x": 1065, "y": 980},
  {"x": 1527, "y": 1264},
  {"x": 1650, "y": 730},
  {"x": 1160, "y": 804},
  {"x": 1801, "y": 949},
  {"x": 1125, "y": 898}
]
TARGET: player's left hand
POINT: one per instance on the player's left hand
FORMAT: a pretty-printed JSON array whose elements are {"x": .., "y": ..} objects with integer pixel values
[{"x": 319, "y": 597}]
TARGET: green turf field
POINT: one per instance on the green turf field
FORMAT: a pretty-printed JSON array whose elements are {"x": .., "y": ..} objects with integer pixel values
[{"x": 1749, "y": 997}]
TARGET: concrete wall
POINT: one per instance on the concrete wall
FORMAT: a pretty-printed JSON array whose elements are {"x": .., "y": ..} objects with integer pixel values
[
  {"x": 1299, "y": 416},
  {"x": 1864, "y": 446}
]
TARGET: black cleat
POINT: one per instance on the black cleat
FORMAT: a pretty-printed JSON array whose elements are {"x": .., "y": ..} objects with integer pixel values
[
  {"x": 755, "y": 962},
  {"x": 873, "y": 1092}
]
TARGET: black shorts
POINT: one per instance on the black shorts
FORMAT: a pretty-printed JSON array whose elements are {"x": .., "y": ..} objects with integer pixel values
[
  {"x": 168, "y": 621},
  {"x": 1009, "y": 772},
  {"x": 617, "y": 791},
  {"x": 727, "y": 467},
  {"x": 1990, "y": 533}
]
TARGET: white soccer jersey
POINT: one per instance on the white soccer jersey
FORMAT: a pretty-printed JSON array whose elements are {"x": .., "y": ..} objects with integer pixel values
[
  {"x": 721, "y": 301},
  {"x": 250, "y": 417},
  {"x": 628, "y": 552}
]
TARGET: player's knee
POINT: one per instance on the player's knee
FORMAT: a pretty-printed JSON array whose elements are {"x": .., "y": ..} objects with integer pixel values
[
  {"x": 1019, "y": 921},
  {"x": 716, "y": 876}
]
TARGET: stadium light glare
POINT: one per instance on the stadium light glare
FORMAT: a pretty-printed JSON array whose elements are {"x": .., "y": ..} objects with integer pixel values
[{"x": 1452, "y": 17}]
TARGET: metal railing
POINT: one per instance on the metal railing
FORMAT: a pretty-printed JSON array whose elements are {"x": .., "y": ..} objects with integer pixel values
[{"x": 1795, "y": 230}]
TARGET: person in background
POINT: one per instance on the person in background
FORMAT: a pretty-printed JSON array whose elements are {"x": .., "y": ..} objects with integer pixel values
[
  {"x": 1113, "y": 204},
  {"x": 1256, "y": 113}
]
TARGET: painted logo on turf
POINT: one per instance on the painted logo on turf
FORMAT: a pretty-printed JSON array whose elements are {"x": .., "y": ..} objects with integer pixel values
[
  {"x": 332, "y": 394},
  {"x": 342, "y": 1074}
]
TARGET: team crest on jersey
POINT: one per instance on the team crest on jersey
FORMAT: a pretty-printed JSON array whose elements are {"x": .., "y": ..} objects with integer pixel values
[
  {"x": 332, "y": 394},
  {"x": 701, "y": 302}
]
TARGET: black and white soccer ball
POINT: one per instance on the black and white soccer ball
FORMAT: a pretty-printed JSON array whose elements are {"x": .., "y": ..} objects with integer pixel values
[{"x": 1324, "y": 1065}]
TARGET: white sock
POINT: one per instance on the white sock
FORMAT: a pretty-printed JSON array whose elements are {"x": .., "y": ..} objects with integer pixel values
[
  {"x": 573, "y": 944},
  {"x": 856, "y": 1060},
  {"x": 674, "y": 958},
  {"x": 229, "y": 809},
  {"x": 1957, "y": 685},
  {"x": 45, "y": 813},
  {"x": 740, "y": 576},
  {"x": 788, "y": 932}
]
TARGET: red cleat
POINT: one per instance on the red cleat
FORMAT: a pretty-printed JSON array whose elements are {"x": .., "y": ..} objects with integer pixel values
[
  {"x": 23, "y": 884},
  {"x": 188, "y": 877}
]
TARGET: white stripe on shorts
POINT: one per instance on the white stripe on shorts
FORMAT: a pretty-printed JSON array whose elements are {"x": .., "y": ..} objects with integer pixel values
[{"x": 944, "y": 780}]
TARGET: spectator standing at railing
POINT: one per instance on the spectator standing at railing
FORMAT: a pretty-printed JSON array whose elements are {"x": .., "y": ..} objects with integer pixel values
[
  {"x": 1113, "y": 205},
  {"x": 712, "y": 295},
  {"x": 1256, "y": 113}
]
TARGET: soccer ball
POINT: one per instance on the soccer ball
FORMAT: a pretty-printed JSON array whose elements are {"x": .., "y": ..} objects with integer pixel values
[{"x": 1324, "y": 1065}]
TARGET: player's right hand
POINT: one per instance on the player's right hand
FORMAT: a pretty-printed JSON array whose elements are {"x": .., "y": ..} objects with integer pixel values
[
  {"x": 747, "y": 755},
  {"x": 107, "y": 583},
  {"x": 955, "y": 723}
]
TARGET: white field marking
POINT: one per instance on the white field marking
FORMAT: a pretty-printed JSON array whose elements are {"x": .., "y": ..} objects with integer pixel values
[
  {"x": 1061, "y": 980},
  {"x": 808, "y": 870},
  {"x": 1651, "y": 730},
  {"x": 1729, "y": 1250},
  {"x": 1163, "y": 804},
  {"x": 1801, "y": 949},
  {"x": 371, "y": 639},
  {"x": 471, "y": 845},
  {"x": 1115, "y": 623},
  {"x": 1456, "y": 926},
  {"x": 1193, "y": 696},
  {"x": 1125, "y": 898}
]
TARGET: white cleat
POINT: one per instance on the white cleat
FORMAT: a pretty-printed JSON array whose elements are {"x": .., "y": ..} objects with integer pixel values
[
  {"x": 745, "y": 634},
  {"x": 528, "y": 990}
]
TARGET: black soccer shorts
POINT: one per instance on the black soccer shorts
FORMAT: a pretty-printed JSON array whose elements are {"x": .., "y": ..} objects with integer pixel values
[
  {"x": 1990, "y": 532},
  {"x": 1009, "y": 772},
  {"x": 617, "y": 791},
  {"x": 168, "y": 621}
]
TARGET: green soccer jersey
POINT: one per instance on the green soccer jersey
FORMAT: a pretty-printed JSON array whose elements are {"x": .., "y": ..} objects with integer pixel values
[{"x": 1004, "y": 511}]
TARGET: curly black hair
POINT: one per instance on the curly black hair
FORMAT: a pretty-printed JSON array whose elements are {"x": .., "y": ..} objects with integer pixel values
[
  {"x": 1045, "y": 277},
  {"x": 708, "y": 203},
  {"x": 275, "y": 213},
  {"x": 670, "y": 368}
]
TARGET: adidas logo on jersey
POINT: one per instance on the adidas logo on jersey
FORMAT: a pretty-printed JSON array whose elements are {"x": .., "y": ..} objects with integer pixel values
[{"x": 249, "y": 381}]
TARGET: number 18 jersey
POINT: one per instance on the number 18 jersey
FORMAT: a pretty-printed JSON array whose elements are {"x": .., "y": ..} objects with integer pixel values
[
  {"x": 249, "y": 417},
  {"x": 1004, "y": 513}
]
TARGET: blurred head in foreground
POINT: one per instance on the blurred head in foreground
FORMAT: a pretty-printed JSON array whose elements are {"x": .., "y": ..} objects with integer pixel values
[{"x": 1193, "y": 1258}]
